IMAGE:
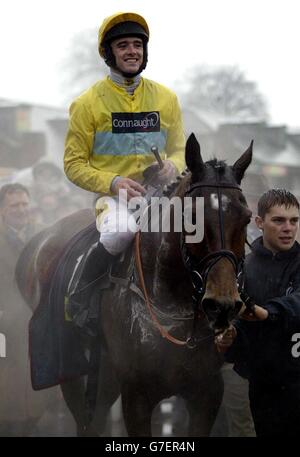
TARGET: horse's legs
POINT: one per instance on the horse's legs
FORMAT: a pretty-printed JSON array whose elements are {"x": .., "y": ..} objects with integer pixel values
[
  {"x": 107, "y": 394},
  {"x": 74, "y": 396},
  {"x": 204, "y": 405},
  {"x": 137, "y": 409}
]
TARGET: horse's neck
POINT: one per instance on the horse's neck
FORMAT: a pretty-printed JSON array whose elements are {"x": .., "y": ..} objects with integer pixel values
[{"x": 171, "y": 283}]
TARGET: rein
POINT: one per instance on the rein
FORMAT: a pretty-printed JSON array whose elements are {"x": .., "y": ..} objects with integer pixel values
[
  {"x": 164, "y": 333},
  {"x": 190, "y": 341},
  {"x": 205, "y": 265}
]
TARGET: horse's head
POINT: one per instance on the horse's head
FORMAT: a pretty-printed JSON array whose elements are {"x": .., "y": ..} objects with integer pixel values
[{"x": 216, "y": 261}]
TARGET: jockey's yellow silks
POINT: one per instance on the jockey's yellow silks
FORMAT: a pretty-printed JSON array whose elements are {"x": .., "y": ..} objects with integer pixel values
[{"x": 111, "y": 133}]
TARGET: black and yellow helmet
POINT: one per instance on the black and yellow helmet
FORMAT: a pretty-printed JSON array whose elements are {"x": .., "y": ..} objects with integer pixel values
[{"x": 121, "y": 25}]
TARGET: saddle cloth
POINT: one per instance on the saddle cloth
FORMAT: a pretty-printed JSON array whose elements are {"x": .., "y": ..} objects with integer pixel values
[{"x": 57, "y": 351}]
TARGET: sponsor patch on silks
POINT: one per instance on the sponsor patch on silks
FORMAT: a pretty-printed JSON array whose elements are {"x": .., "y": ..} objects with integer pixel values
[{"x": 136, "y": 122}]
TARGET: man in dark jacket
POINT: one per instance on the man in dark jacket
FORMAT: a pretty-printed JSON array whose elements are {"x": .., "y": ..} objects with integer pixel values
[{"x": 264, "y": 344}]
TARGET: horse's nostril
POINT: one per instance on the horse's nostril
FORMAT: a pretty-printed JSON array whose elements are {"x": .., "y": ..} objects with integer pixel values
[
  {"x": 234, "y": 310},
  {"x": 219, "y": 311},
  {"x": 209, "y": 306}
]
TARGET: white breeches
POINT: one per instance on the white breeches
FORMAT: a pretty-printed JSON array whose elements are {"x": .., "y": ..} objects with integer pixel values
[{"x": 116, "y": 225}]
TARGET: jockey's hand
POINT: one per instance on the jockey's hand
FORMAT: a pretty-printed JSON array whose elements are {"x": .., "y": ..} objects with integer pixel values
[
  {"x": 133, "y": 188},
  {"x": 225, "y": 339},
  {"x": 161, "y": 176},
  {"x": 256, "y": 313},
  {"x": 167, "y": 173}
]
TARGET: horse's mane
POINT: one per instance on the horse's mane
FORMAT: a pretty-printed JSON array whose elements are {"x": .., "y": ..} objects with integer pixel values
[{"x": 170, "y": 188}]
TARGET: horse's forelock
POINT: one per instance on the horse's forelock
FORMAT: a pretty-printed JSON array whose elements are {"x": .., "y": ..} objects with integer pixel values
[
  {"x": 218, "y": 166},
  {"x": 219, "y": 169},
  {"x": 215, "y": 163}
]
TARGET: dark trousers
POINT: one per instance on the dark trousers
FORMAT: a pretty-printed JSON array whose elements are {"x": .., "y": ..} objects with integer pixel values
[{"x": 275, "y": 408}]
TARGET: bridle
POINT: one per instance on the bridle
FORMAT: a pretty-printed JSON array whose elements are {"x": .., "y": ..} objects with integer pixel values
[{"x": 199, "y": 269}]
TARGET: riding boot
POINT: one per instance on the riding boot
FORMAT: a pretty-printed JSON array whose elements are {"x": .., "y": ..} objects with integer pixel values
[{"x": 95, "y": 265}]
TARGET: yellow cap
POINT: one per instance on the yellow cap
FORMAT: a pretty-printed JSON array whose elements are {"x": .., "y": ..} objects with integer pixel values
[{"x": 116, "y": 19}]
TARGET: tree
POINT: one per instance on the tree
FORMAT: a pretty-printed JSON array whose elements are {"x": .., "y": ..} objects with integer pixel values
[
  {"x": 83, "y": 66},
  {"x": 225, "y": 91}
]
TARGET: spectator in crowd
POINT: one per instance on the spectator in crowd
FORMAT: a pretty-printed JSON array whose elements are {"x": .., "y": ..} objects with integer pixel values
[{"x": 20, "y": 406}]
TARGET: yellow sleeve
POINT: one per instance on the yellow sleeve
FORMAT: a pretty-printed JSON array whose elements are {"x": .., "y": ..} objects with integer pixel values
[
  {"x": 175, "y": 147},
  {"x": 78, "y": 148}
]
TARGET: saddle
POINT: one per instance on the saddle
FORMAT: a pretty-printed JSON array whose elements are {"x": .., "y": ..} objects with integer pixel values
[{"x": 117, "y": 270}]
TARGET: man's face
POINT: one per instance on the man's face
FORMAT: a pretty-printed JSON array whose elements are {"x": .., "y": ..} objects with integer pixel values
[
  {"x": 279, "y": 226},
  {"x": 129, "y": 53},
  {"x": 15, "y": 210}
]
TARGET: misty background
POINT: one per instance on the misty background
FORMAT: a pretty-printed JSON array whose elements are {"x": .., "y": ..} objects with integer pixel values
[{"x": 260, "y": 38}]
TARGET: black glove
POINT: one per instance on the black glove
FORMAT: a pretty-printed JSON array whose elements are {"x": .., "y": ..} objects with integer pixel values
[{"x": 248, "y": 301}]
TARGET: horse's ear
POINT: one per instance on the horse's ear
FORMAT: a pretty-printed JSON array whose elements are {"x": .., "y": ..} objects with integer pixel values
[
  {"x": 242, "y": 164},
  {"x": 193, "y": 157}
]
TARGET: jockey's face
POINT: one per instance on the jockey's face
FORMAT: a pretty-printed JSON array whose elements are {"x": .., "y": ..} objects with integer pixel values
[
  {"x": 15, "y": 210},
  {"x": 128, "y": 53},
  {"x": 279, "y": 226}
]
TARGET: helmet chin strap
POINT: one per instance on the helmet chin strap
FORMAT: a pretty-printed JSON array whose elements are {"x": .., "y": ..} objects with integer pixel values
[{"x": 111, "y": 61}]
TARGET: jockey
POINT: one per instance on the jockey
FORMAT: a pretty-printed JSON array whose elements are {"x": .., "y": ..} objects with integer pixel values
[{"x": 112, "y": 127}]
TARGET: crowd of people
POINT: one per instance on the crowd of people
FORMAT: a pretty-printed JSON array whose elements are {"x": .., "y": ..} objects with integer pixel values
[{"x": 23, "y": 412}]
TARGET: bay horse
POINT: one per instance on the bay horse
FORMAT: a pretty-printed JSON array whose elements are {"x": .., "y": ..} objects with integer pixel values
[{"x": 158, "y": 323}]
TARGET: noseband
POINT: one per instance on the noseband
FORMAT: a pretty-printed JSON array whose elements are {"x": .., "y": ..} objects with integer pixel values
[{"x": 199, "y": 269}]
